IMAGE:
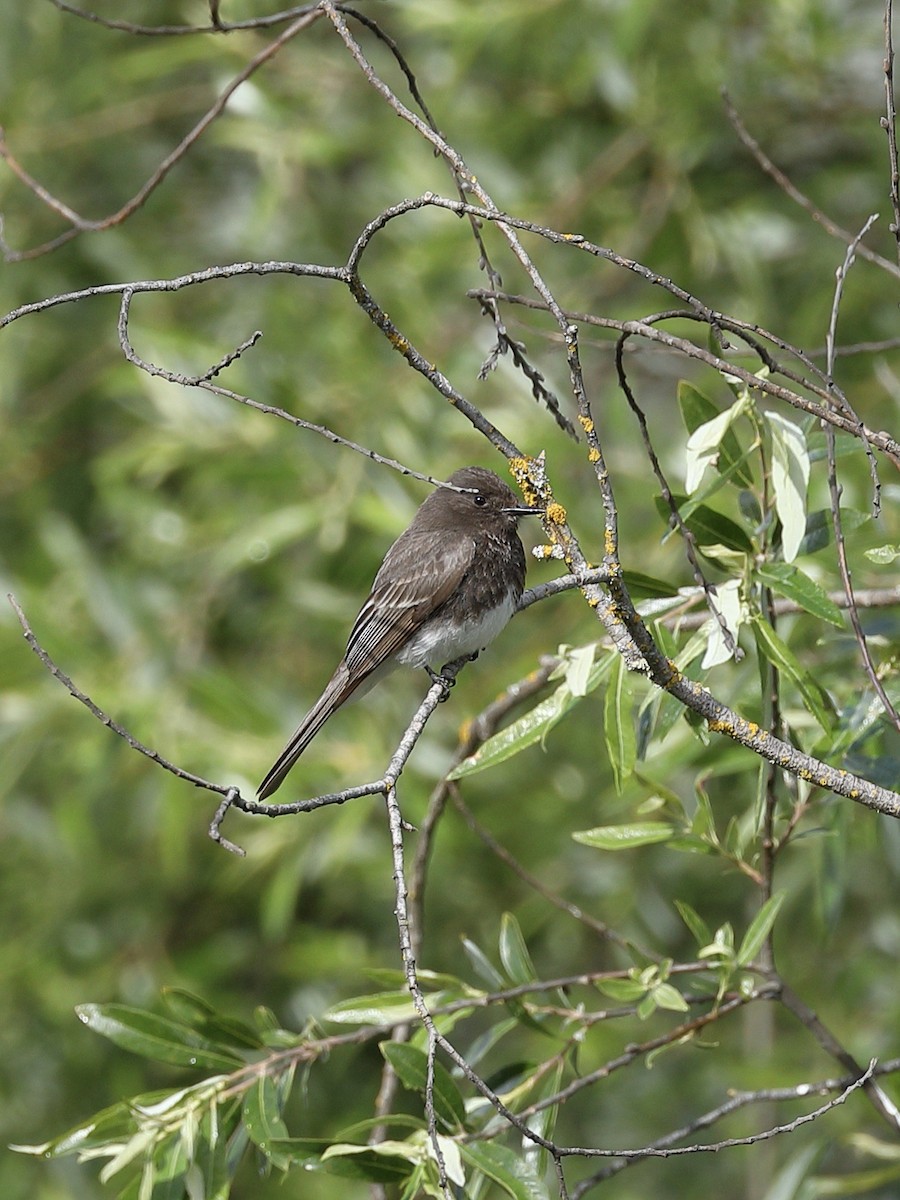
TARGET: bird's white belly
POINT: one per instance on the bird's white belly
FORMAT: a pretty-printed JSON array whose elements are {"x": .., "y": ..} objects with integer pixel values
[{"x": 439, "y": 642}]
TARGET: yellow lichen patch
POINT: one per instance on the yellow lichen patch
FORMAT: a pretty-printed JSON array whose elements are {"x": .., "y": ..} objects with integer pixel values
[
  {"x": 556, "y": 514},
  {"x": 520, "y": 469},
  {"x": 586, "y": 423},
  {"x": 675, "y": 678},
  {"x": 593, "y": 456}
]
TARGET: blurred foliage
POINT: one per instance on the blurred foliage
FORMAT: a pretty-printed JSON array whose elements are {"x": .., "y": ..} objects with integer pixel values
[{"x": 195, "y": 566}]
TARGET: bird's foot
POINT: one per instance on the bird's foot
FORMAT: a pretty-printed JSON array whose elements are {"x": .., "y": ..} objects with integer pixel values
[{"x": 443, "y": 680}]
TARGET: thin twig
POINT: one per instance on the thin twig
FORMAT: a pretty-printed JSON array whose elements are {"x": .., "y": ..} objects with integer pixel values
[
  {"x": 687, "y": 538},
  {"x": 790, "y": 189},
  {"x": 835, "y": 496},
  {"x": 215, "y": 25},
  {"x": 101, "y": 716},
  {"x": 204, "y": 381},
  {"x": 84, "y": 225},
  {"x": 889, "y": 120},
  {"x": 600, "y": 928},
  {"x": 475, "y": 733},
  {"x": 733, "y": 1104},
  {"x": 829, "y": 1043}
]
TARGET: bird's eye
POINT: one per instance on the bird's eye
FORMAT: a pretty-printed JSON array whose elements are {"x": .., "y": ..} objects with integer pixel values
[{"x": 480, "y": 501}]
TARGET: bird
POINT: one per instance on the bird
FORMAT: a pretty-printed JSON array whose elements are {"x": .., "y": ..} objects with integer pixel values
[{"x": 447, "y": 587}]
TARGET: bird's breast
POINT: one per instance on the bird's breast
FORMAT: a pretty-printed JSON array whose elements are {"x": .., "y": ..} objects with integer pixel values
[{"x": 450, "y": 634}]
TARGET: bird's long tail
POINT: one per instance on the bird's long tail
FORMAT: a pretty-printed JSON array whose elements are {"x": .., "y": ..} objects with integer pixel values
[{"x": 338, "y": 690}]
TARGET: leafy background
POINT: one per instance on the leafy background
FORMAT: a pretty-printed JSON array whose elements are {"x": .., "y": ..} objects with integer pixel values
[{"x": 194, "y": 566}]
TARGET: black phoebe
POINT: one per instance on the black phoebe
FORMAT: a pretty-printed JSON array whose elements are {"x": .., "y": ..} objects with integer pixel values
[{"x": 446, "y": 588}]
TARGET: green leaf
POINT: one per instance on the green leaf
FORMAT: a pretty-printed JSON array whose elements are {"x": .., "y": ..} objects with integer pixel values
[
  {"x": 668, "y": 997},
  {"x": 201, "y": 1015},
  {"x": 483, "y": 965},
  {"x": 733, "y": 612},
  {"x": 759, "y": 929},
  {"x": 262, "y": 1119},
  {"x": 856, "y": 721},
  {"x": 378, "y": 1164},
  {"x": 646, "y": 587},
  {"x": 265, "y": 1020},
  {"x": 625, "y": 837},
  {"x": 486, "y": 1041},
  {"x": 518, "y": 736},
  {"x": 453, "y": 1167},
  {"x": 618, "y": 723},
  {"x": 300, "y": 1149},
  {"x": 534, "y": 726},
  {"x": 156, "y": 1037},
  {"x": 110, "y": 1124},
  {"x": 704, "y": 445},
  {"x": 689, "y": 843},
  {"x": 710, "y": 527},
  {"x": 623, "y": 990},
  {"x": 434, "y": 980},
  {"x": 783, "y": 659},
  {"x": 883, "y": 555},
  {"x": 792, "y": 583},
  {"x": 790, "y": 479},
  {"x": 137, "y": 1146},
  {"x": 869, "y": 1182},
  {"x": 819, "y": 531},
  {"x": 579, "y": 662},
  {"x": 695, "y": 923},
  {"x": 704, "y": 822},
  {"x": 381, "y": 1008},
  {"x": 512, "y": 1173},
  {"x": 411, "y": 1065},
  {"x": 722, "y": 944},
  {"x": 646, "y": 1007},
  {"x": 173, "y": 1173},
  {"x": 845, "y": 445},
  {"x": 698, "y": 409},
  {"x": 513, "y": 951}
]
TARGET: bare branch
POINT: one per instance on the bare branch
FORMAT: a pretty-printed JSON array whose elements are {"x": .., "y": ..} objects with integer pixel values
[
  {"x": 829, "y": 1043},
  {"x": 889, "y": 120},
  {"x": 791, "y": 190},
  {"x": 84, "y": 225},
  {"x": 101, "y": 716},
  {"x": 215, "y": 26},
  {"x": 687, "y": 538},
  {"x": 835, "y": 494},
  {"x": 663, "y": 1147}
]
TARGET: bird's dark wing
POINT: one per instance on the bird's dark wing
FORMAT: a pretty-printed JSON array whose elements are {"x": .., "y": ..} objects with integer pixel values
[{"x": 419, "y": 572}]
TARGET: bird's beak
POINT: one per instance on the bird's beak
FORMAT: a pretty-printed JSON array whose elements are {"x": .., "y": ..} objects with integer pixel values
[{"x": 524, "y": 511}]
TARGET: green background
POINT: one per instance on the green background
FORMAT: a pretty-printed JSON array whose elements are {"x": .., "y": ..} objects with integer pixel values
[{"x": 195, "y": 566}]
